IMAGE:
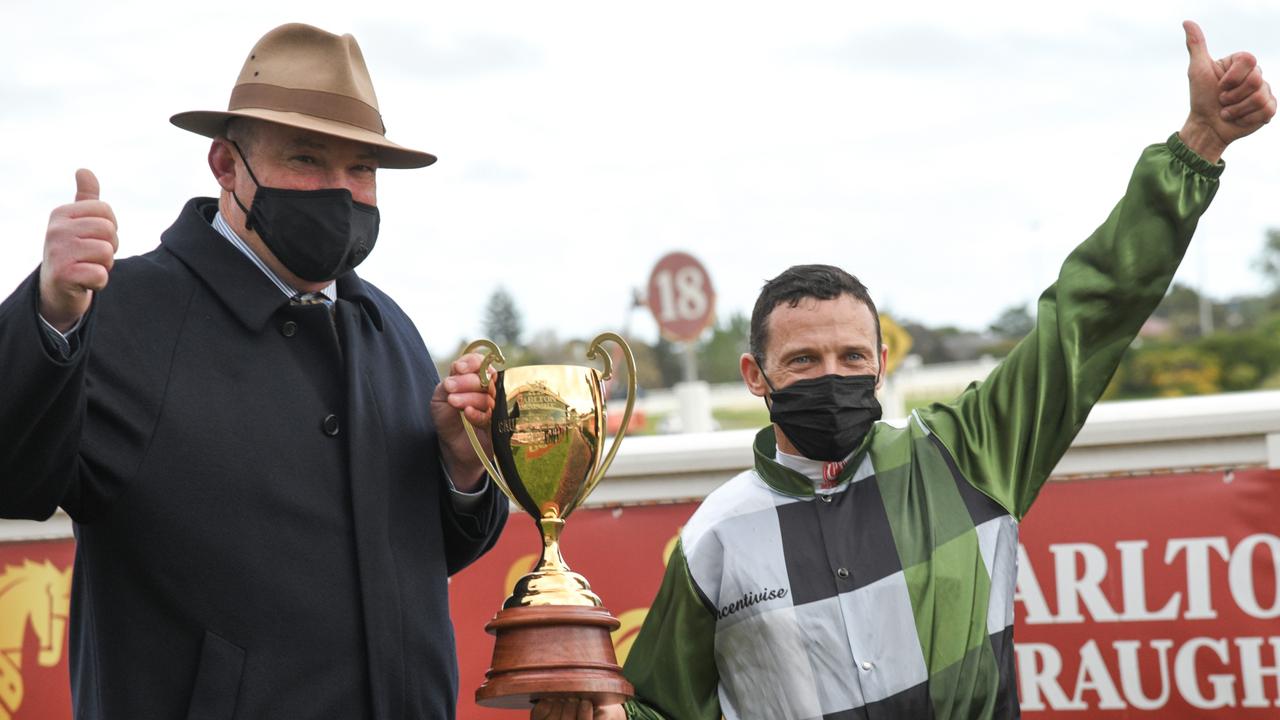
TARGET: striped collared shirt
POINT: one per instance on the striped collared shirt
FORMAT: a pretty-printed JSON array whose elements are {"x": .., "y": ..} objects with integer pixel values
[{"x": 220, "y": 224}]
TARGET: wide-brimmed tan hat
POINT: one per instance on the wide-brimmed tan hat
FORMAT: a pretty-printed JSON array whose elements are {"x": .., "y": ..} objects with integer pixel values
[{"x": 304, "y": 77}]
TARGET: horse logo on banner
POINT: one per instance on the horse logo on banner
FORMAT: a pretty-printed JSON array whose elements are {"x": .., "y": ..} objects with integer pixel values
[{"x": 36, "y": 595}]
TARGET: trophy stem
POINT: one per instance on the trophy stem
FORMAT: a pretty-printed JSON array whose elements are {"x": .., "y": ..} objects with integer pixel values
[
  {"x": 551, "y": 582},
  {"x": 552, "y": 560}
]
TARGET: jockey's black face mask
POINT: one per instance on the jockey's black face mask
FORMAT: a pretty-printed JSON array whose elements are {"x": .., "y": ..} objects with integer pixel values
[{"x": 825, "y": 417}]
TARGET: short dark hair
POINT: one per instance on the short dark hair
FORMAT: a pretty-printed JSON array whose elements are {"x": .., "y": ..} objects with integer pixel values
[
  {"x": 799, "y": 282},
  {"x": 242, "y": 131}
]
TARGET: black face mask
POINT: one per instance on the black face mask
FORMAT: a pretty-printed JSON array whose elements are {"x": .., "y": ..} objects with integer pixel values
[
  {"x": 317, "y": 234},
  {"x": 825, "y": 417}
]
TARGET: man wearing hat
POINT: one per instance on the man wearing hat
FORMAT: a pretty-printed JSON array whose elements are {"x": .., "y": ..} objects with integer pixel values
[{"x": 269, "y": 482}]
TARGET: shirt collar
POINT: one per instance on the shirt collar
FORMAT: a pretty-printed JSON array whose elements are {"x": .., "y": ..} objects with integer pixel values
[
  {"x": 220, "y": 224},
  {"x": 789, "y": 482},
  {"x": 822, "y": 473}
]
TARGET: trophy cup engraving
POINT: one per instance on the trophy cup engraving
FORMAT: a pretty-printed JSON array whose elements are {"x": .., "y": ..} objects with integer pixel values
[{"x": 548, "y": 425}]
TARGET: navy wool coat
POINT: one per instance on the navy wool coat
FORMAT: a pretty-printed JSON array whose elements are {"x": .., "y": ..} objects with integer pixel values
[{"x": 264, "y": 528}]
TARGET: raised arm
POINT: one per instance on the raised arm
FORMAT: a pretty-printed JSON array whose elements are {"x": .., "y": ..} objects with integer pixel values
[
  {"x": 42, "y": 407},
  {"x": 1007, "y": 433}
]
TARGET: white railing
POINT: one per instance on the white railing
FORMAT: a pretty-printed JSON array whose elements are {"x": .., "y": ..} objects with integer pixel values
[
  {"x": 1238, "y": 430},
  {"x": 913, "y": 382},
  {"x": 1235, "y": 430}
]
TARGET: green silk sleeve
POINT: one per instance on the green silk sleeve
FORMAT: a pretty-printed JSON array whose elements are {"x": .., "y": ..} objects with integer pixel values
[
  {"x": 672, "y": 663},
  {"x": 1008, "y": 432}
]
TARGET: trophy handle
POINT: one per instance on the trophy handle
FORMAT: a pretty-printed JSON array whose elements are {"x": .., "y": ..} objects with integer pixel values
[
  {"x": 491, "y": 357},
  {"x": 595, "y": 350}
]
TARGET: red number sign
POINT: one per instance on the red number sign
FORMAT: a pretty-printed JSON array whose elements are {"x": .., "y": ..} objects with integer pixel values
[{"x": 681, "y": 297}]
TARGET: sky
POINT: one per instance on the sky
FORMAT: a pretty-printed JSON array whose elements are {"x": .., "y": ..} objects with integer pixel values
[{"x": 948, "y": 154}]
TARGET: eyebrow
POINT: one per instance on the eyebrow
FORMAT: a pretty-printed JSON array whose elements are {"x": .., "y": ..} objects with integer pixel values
[
  {"x": 808, "y": 349},
  {"x": 302, "y": 143}
]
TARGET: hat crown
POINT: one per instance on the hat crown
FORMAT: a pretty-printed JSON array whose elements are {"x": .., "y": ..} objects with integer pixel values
[{"x": 303, "y": 57}]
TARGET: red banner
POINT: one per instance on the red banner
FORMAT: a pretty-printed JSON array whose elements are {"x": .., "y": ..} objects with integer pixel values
[
  {"x": 1137, "y": 597},
  {"x": 1152, "y": 597}
]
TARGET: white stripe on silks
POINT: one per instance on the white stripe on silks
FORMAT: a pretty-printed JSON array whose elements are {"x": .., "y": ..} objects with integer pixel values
[
  {"x": 886, "y": 653},
  {"x": 764, "y": 669},
  {"x": 741, "y": 557},
  {"x": 998, "y": 542},
  {"x": 743, "y": 495},
  {"x": 823, "y": 623},
  {"x": 220, "y": 224}
]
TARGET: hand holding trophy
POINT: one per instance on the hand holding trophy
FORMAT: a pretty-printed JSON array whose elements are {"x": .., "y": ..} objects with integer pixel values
[{"x": 548, "y": 428}]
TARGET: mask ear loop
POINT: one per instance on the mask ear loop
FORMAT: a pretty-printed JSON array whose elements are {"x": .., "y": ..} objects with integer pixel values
[
  {"x": 768, "y": 402},
  {"x": 760, "y": 367},
  {"x": 248, "y": 219}
]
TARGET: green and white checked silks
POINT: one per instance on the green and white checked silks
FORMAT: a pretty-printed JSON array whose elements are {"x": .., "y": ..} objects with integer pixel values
[{"x": 891, "y": 595}]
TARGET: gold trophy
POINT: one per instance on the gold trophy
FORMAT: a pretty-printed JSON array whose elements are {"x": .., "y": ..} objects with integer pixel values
[{"x": 548, "y": 426}]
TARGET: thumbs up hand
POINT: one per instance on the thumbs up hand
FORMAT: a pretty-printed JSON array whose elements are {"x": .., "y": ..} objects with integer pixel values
[
  {"x": 79, "y": 249},
  {"x": 1229, "y": 98}
]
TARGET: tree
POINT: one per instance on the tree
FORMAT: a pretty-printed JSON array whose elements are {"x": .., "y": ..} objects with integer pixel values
[
  {"x": 1268, "y": 263},
  {"x": 1014, "y": 323},
  {"x": 502, "y": 322},
  {"x": 670, "y": 361},
  {"x": 1181, "y": 307},
  {"x": 718, "y": 355},
  {"x": 648, "y": 369},
  {"x": 929, "y": 343},
  {"x": 1177, "y": 370}
]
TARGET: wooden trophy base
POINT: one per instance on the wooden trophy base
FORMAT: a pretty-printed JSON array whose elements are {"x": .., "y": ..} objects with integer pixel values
[{"x": 549, "y": 651}]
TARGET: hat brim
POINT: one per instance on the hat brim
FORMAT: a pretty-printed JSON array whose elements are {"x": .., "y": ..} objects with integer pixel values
[{"x": 212, "y": 123}]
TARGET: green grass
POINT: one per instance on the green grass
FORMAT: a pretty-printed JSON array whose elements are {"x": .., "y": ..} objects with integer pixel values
[
  {"x": 726, "y": 419},
  {"x": 742, "y": 418},
  {"x": 918, "y": 401}
]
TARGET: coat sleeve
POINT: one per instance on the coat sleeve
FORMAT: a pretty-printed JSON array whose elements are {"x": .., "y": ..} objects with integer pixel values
[
  {"x": 42, "y": 410},
  {"x": 470, "y": 533},
  {"x": 469, "y": 528},
  {"x": 672, "y": 663},
  {"x": 1009, "y": 432}
]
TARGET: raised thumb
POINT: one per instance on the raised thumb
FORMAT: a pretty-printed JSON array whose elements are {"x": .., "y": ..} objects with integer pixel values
[
  {"x": 86, "y": 185},
  {"x": 1196, "y": 46}
]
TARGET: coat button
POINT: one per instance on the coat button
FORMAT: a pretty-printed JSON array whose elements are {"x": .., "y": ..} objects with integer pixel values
[
  {"x": 289, "y": 328},
  {"x": 825, "y": 498},
  {"x": 842, "y": 573},
  {"x": 330, "y": 425}
]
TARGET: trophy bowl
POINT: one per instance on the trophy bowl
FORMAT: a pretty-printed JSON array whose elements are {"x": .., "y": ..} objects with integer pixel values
[{"x": 552, "y": 635}]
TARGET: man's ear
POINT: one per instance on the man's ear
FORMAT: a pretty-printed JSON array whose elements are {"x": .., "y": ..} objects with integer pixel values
[
  {"x": 884, "y": 363},
  {"x": 222, "y": 163},
  {"x": 752, "y": 376}
]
